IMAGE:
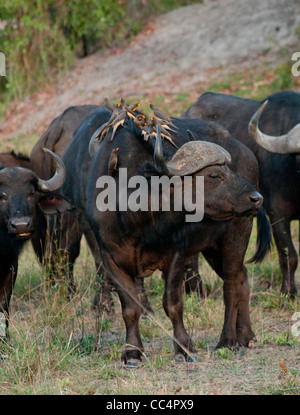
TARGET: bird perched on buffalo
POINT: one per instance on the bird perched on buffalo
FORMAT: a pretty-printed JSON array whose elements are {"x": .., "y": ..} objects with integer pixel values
[
  {"x": 140, "y": 121},
  {"x": 119, "y": 120},
  {"x": 153, "y": 123},
  {"x": 108, "y": 105},
  {"x": 131, "y": 110},
  {"x": 104, "y": 128},
  {"x": 148, "y": 125},
  {"x": 113, "y": 162},
  {"x": 120, "y": 112},
  {"x": 161, "y": 116}
]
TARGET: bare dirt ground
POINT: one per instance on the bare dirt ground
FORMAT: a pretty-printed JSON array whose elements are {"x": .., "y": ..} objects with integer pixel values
[{"x": 175, "y": 52}]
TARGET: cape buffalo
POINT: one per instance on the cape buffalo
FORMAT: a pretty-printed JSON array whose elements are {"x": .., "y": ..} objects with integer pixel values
[
  {"x": 57, "y": 240},
  {"x": 59, "y": 231},
  {"x": 22, "y": 195},
  {"x": 12, "y": 159},
  {"x": 277, "y": 150},
  {"x": 131, "y": 245}
]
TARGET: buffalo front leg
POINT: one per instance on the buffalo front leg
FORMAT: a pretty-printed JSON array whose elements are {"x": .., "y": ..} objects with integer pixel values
[
  {"x": 237, "y": 329},
  {"x": 237, "y": 326},
  {"x": 173, "y": 306},
  {"x": 131, "y": 310},
  {"x": 288, "y": 257},
  {"x": 227, "y": 261},
  {"x": 6, "y": 286}
]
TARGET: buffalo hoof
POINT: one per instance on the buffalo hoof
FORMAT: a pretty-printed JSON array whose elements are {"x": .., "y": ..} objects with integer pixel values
[
  {"x": 131, "y": 359},
  {"x": 251, "y": 343},
  {"x": 245, "y": 337},
  {"x": 240, "y": 351},
  {"x": 132, "y": 364},
  {"x": 191, "y": 358},
  {"x": 179, "y": 358},
  {"x": 289, "y": 291}
]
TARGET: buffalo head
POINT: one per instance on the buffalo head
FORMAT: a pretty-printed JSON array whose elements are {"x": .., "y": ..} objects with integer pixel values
[
  {"x": 226, "y": 194},
  {"x": 22, "y": 192}
]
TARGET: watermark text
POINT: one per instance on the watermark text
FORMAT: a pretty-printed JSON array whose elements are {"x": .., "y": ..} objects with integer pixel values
[
  {"x": 2, "y": 64},
  {"x": 296, "y": 324},
  {"x": 176, "y": 194},
  {"x": 296, "y": 66}
]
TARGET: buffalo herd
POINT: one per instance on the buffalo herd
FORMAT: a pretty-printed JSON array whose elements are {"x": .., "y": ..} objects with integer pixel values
[{"x": 150, "y": 192}]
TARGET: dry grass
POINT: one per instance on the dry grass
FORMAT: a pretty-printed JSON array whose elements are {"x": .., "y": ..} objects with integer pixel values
[{"x": 60, "y": 346}]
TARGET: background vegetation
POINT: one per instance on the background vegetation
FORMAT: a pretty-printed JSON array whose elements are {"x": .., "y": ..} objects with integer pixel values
[{"x": 41, "y": 38}]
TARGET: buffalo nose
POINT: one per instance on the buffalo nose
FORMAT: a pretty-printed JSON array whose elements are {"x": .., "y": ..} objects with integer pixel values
[
  {"x": 256, "y": 198},
  {"x": 19, "y": 225}
]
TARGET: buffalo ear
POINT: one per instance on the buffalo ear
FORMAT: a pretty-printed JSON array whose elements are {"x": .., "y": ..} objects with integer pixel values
[{"x": 52, "y": 203}]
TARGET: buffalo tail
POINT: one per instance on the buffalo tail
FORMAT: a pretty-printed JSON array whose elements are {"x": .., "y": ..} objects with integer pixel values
[{"x": 264, "y": 237}]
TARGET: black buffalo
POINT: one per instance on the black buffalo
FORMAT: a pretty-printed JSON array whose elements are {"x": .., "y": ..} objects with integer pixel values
[
  {"x": 13, "y": 159},
  {"x": 56, "y": 235},
  {"x": 57, "y": 238},
  {"x": 22, "y": 195},
  {"x": 131, "y": 245},
  {"x": 64, "y": 231},
  {"x": 277, "y": 150}
]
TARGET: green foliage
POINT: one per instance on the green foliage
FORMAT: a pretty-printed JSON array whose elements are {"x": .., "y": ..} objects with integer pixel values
[
  {"x": 40, "y": 39},
  {"x": 87, "y": 344},
  {"x": 224, "y": 353},
  {"x": 286, "y": 339},
  {"x": 283, "y": 80},
  {"x": 167, "y": 5},
  {"x": 35, "y": 48},
  {"x": 256, "y": 84}
]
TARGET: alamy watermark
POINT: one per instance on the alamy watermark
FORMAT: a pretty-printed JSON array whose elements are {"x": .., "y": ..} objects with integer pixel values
[
  {"x": 296, "y": 324},
  {"x": 2, "y": 64},
  {"x": 164, "y": 194},
  {"x": 296, "y": 66},
  {"x": 2, "y": 325}
]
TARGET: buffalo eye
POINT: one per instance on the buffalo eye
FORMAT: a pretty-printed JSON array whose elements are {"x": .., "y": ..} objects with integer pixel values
[
  {"x": 31, "y": 194},
  {"x": 3, "y": 197},
  {"x": 213, "y": 176}
]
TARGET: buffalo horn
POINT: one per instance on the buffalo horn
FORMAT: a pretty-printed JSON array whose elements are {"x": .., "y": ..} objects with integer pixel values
[
  {"x": 283, "y": 144},
  {"x": 95, "y": 140},
  {"x": 191, "y": 135},
  {"x": 192, "y": 157},
  {"x": 58, "y": 179},
  {"x": 159, "y": 160}
]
